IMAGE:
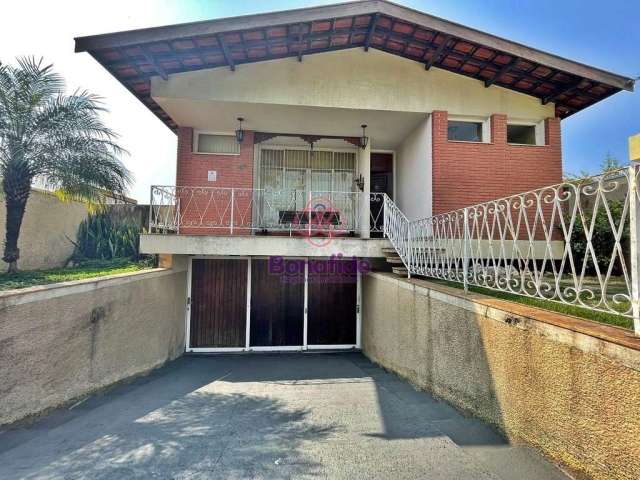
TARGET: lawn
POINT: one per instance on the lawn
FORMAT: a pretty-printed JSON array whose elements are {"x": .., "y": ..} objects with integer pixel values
[
  {"x": 89, "y": 269},
  {"x": 602, "y": 317}
]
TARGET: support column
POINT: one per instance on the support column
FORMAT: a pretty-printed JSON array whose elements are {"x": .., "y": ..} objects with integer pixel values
[
  {"x": 634, "y": 227},
  {"x": 364, "y": 169}
]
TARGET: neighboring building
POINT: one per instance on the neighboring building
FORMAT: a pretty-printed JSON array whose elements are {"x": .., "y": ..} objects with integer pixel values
[{"x": 453, "y": 116}]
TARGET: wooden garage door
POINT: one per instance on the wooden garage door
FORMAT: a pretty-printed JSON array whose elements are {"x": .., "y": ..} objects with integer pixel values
[
  {"x": 332, "y": 302},
  {"x": 218, "y": 303},
  {"x": 277, "y": 306}
]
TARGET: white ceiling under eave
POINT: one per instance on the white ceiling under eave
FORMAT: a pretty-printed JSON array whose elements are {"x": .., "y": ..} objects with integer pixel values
[{"x": 386, "y": 129}]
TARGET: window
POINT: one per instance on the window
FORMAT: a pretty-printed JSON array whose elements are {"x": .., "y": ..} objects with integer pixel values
[
  {"x": 521, "y": 134},
  {"x": 221, "y": 144},
  {"x": 465, "y": 131},
  {"x": 288, "y": 176}
]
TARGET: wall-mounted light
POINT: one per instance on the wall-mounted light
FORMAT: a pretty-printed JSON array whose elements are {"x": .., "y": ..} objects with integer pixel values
[
  {"x": 363, "y": 139},
  {"x": 359, "y": 181},
  {"x": 240, "y": 131}
]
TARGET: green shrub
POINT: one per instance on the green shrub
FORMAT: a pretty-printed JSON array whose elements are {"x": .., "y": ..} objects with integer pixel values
[
  {"x": 99, "y": 237},
  {"x": 603, "y": 239}
]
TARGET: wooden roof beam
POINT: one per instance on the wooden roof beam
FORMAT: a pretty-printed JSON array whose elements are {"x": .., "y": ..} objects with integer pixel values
[
  {"x": 226, "y": 54},
  {"x": 371, "y": 31},
  {"x": 300, "y": 37},
  {"x": 352, "y": 9},
  {"x": 503, "y": 71},
  {"x": 436, "y": 55},
  {"x": 156, "y": 65},
  {"x": 562, "y": 91}
]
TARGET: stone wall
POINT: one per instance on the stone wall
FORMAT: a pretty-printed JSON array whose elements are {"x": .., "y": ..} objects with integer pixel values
[
  {"x": 566, "y": 386},
  {"x": 63, "y": 341}
]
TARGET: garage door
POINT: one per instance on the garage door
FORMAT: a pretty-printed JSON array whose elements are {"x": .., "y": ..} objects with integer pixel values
[
  {"x": 218, "y": 303},
  {"x": 277, "y": 306},
  {"x": 332, "y": 303},
  {"x": 240, "y": 305}
]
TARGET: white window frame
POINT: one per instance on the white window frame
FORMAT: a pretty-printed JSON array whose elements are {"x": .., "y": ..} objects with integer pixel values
[
  {"x": 257, "y": 173},
  {"x": 539, "y": 129},
  {"x": 196, "y": 135},
  {"x": 486, "y": 127}
]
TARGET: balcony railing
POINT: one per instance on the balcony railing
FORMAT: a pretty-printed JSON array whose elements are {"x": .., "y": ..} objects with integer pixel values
[{"x": 242, "y": 211}]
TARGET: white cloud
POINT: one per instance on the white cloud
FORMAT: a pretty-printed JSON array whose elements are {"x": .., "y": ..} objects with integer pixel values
[{"x": 47, "y": 29}]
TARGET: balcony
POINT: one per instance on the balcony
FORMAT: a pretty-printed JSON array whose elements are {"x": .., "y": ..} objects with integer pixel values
[
  {"x": 245, "y": 211},
  {"x": 245, "y": 221}
]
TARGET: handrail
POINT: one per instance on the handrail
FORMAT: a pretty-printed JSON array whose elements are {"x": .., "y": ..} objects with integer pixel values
[{"x": 575, "y": 243}]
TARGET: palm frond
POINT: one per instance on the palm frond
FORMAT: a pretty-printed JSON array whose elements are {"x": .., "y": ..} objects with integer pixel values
[{"x": 62, "y": 138}]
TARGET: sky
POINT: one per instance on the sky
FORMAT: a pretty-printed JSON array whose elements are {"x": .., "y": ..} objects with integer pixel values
[{"x": 605, "y": 35}]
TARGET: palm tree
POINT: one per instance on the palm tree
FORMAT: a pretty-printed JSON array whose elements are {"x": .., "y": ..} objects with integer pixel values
[{"x": 57, "y": 138}]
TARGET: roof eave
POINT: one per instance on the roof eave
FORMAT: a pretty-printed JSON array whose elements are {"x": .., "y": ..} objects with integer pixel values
[{"x": 363, "y": 7}]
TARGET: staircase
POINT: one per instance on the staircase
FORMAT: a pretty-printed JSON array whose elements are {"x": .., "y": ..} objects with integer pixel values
[
  {"x": 397, "y": 231},
  {"x": 392, "y": 257}
]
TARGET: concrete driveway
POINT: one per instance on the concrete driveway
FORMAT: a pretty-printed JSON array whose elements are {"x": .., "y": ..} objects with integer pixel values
[{"x": 265, "y": 416}]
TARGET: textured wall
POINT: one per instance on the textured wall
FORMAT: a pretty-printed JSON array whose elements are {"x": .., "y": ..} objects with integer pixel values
[
  {"x": 58, "y": 343},
  {"x": 569, "y": 394},
  {"x": 465, "y": 173},
  {"x": 46, "y": 225}
]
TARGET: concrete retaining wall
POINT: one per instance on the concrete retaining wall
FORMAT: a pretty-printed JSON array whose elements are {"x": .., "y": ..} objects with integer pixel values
[
  {"x": 60, "y": 342},
  {"x": 569, "y": 387}
]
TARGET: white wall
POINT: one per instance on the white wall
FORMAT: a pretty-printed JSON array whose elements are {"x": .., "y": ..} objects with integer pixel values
[
  {"x": 349, "y": 79},
  {"x": 413, "y": 172}
]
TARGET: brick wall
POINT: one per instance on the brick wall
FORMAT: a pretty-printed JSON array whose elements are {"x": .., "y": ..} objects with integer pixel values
[
  {"x": 213, "y": 204},
  {"x": 465, "y": 173}
]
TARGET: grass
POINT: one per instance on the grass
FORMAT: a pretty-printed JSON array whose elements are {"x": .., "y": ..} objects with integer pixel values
[
  {"x": 601, "y": 317},
  {"x": 88, "y": 269}
]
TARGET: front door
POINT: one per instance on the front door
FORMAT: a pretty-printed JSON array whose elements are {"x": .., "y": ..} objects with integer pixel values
[{"x": 381, "y": 182}]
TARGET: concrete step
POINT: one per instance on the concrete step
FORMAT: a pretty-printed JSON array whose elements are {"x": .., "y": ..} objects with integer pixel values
[
  {"x": 395, "y": 260},
  {"x": 401, "y": 271}
]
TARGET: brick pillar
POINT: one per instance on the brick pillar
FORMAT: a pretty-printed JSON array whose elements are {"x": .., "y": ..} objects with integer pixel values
[
  {"x": 499, "y": 129},
  {"x": 183, "y": 155}
]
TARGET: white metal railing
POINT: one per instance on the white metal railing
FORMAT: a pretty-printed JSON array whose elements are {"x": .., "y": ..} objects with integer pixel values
[
  {"x": 237, "y": 211},
  {"x": 574, "y": 243}
]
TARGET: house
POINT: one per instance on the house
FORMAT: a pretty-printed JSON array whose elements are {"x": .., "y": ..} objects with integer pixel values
[{"x": 292, "y": 128}]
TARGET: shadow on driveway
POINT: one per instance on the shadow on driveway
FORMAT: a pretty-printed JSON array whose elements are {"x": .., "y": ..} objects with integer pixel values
[{"x": 264, "y": 416}]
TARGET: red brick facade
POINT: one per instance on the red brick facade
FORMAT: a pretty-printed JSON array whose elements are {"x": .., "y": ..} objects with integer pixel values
[
  {"x": 466, "y": 173},
  {"x": 212, "y": 206},
  {"x": 233, "y": 170}
]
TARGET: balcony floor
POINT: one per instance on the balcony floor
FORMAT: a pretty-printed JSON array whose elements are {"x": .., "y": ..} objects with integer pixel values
[{"x": 257, "y": 245}]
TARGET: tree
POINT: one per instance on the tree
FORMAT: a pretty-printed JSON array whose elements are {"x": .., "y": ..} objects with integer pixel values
[
  {"x": 54, "y": 137},
  {"x": 609, "y": 164}
]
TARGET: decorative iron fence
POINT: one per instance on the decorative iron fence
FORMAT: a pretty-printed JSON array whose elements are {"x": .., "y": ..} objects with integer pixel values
[
  {"x": 237, "y": 211},
  {"x": 574, "y": 243}
]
